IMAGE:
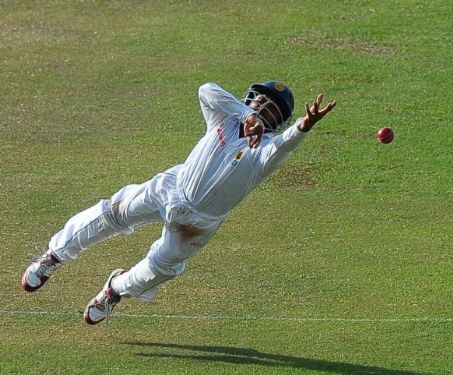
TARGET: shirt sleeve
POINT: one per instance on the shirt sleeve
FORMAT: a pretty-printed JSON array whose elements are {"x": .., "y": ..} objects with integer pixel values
[
  {"x": 275, "y": 152},
  {"x": 217, "y": 104}
]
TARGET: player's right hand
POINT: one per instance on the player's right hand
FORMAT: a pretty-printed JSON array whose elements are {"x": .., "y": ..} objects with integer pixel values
[{"x": 253, "y": 130}]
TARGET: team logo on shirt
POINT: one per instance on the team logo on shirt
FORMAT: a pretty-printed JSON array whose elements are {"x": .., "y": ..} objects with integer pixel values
[
  {"x": 221, "y": 136},
  {"x": 237, "y": 157}
]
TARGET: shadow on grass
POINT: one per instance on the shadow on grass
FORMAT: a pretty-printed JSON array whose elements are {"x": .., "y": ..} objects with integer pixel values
[{"x": 241, "y": 356}]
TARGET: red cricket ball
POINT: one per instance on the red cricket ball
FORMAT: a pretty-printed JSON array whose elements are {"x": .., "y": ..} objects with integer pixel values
[{"x": 385, "y": 135}]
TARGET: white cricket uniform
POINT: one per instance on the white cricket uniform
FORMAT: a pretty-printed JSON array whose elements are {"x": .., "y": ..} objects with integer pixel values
[{"x": 192, "y": 199}]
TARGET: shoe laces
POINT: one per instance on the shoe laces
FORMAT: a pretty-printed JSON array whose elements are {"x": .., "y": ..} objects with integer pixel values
[
  {"x": 47, "y": 263},
  {"x": 111, "y": 298}
]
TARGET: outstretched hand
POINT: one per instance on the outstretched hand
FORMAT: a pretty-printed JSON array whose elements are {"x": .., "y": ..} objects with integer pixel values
[
  {"x": 315, "y": 113},
  {"x": 253, "y": 130}
]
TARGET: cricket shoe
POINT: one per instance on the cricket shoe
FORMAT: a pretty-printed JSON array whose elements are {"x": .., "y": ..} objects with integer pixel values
[
  {"x": 39, "y": 271},
  {"x": 101, "y": 306}
]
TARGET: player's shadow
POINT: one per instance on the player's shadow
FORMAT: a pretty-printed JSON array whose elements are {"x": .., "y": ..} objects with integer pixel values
[{"x": 242, "y": 356}]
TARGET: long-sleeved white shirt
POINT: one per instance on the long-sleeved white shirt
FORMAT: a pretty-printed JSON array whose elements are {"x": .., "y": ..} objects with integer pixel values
[{"x": 222, "y": 169}]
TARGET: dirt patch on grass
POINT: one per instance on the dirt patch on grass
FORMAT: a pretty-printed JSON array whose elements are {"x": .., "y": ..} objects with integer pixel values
[
  {"x": 328, "y": 42},
  {"x": 291, "y": 176}
]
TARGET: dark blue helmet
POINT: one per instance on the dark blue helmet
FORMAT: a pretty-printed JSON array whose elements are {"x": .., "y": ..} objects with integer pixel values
[{"x": 279, "y": 93}]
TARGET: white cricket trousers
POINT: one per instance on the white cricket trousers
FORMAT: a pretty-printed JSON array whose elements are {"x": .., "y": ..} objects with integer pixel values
[{"x": 184, "y": 232}]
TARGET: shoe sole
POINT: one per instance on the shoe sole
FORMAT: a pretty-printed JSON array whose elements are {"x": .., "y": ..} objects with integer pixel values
[{"x": 86, "y": 315}]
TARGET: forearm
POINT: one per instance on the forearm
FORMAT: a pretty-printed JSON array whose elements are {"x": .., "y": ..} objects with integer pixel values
[
  {"x": 290, "y": 138},
  {"x": 213, "y": 97}
]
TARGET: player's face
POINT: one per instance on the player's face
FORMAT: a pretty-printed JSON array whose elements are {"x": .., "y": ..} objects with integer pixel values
[{"x": 267, "y": 110}]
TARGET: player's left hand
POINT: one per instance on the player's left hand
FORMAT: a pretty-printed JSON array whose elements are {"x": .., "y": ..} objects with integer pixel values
[{"x": 253, "y": 130}]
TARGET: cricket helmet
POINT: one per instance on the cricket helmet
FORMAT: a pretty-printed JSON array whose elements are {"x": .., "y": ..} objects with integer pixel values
[{"x": 279, "y": 93}]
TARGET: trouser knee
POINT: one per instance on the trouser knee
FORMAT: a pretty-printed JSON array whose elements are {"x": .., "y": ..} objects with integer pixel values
[
  {"x": 85, "y": 229},
  {"x": 117, "y": 215},
  {"x": 142, "y": 280}
]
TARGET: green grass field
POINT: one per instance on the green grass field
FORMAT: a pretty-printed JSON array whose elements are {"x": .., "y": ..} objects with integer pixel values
[{"x": 348, "y": 268}]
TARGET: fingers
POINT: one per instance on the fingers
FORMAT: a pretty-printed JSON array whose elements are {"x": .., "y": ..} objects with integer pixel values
[
  {"x": 329, "y": 107},
  {"x": 255, "y": 134},
  {"x": 254, "y": 131},
  {"x": 253, "y": 141},
  {"x": 319, "y": 99},
  {"x": 307, "y": 109},
  {"x": 316, "y": 109},
  {"x": 249, "y": 141},
  {"x": 313, "y": 110}
]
